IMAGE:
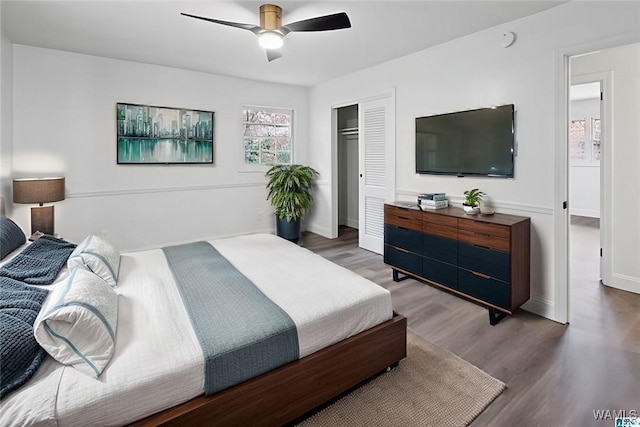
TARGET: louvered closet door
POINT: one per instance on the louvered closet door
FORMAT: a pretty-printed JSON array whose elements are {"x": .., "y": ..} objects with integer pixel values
[{"x": 375, "y": 135}]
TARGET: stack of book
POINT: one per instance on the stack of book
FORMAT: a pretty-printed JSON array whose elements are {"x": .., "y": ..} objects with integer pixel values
[{"x": 433, "y": 201}]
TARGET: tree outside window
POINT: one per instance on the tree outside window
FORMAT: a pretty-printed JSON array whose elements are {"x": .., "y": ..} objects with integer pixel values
[
  {"x": 595, "y": 137},
  {"x": 577, "y": 140},
  {"x": 268, "y": 136}
]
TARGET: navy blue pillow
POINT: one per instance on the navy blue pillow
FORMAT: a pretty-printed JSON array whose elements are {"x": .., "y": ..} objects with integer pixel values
[{"x": 11, "y": 237}]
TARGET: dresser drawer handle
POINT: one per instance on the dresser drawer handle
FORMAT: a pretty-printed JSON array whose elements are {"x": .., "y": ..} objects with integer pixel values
[
  {"x": 402, "y": 250},
  {"x": 484, "y": 276},
  {"x": 403, "y": 217},
  {"x": 481, "y": 234},
  {"x": 482, "y": 247}
]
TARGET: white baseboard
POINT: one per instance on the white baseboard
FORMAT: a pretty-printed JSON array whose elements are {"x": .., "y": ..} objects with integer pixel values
[
  {"x": 318, "y": 229},
  {"x": 585, "y": 212},
  {"x": 353, "y": 223},
  {"x": 626, "y": 283},
  {"x": 540, "y": 306}
]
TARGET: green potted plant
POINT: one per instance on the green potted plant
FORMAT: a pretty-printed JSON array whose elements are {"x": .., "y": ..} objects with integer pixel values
[
  {"x": 471, "y": 203},
  {"x": 289, "y": 189}
]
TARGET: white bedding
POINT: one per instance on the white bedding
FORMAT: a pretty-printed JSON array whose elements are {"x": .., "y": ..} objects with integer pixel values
[{"x": 157, "y": 361}]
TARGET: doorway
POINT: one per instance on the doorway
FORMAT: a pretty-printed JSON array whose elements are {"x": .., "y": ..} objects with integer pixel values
[
  {"x": 585, "y": 177},
  {"x": 348, "y": 168},
  {"x": 620, "y": 176}
]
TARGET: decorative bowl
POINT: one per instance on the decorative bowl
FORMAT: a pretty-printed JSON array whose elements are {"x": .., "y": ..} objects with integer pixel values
[
  {"x": 471, "y": 210},
  {"x": 487, "y": 211}
]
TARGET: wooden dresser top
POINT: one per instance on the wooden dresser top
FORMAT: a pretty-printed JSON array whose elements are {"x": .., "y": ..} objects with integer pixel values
[{"x": 501, "y": 219}]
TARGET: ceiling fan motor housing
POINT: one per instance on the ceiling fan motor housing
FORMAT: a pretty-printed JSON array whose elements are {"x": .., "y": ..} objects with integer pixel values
[
  {"x": 271, "y": 32},
  {"x": 270, "y": 16}
]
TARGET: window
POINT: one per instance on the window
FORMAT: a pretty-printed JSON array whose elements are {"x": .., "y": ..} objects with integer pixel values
[
  {"x": 268, "y": 135},
  {"x": 577, "y": 137},
  {"x": 595, "y": 138},
  {"x": 585, "y": 142}
]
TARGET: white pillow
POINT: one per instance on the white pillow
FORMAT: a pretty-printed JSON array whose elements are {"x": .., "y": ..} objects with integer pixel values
[
  {"x": 98, "y": 256},
  {"x": 77, "y": 323}
]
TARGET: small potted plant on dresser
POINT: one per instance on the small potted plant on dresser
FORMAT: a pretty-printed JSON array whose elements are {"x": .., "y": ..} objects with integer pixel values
[
  {"x": 290, "y": 194},
  {"x": 471, "y": 203}
]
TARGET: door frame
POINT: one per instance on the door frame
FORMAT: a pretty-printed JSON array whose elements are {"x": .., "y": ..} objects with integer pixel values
[
  {"x": 561, "y": 167},
  {"x": 390, "y": 178},
  {"x": 605, "y": 79}
]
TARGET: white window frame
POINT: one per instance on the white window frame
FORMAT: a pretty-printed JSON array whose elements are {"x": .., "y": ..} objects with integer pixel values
[{"x": 261, "y": 167}]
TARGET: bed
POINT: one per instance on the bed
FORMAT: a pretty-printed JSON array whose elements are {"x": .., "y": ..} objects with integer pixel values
[{"x": 345, "y": 332}]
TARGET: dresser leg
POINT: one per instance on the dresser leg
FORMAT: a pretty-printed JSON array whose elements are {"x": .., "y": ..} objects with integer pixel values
[
  {"x": 495, "y": 316},
  {"x": 396, "y": 276}
]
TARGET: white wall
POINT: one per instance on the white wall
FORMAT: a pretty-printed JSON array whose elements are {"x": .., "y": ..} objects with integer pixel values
[
  {"x": 476, "y": 71},
  {"x": 584, "y": 175},
  {"x": 6, "y": 117},
  {"x": 64, "y": 123},
  {"x": 623, "y": 63}
]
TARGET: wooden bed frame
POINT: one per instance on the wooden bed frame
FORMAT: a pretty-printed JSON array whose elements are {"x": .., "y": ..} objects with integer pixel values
[{"x": 285, "y": 394}]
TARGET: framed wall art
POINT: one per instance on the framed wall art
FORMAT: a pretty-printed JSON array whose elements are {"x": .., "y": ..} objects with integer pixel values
[{"x": 161, "y": 135}]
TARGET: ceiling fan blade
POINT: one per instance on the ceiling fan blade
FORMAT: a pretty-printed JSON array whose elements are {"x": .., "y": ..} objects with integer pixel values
[
  {"x": 273, "y": 54},
  {"x": 337, "y": 21},
  {"x": 253, "y": 28}
]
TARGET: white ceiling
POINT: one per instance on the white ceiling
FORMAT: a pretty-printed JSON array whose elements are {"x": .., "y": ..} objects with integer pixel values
[{"x": 154, "y": 32}]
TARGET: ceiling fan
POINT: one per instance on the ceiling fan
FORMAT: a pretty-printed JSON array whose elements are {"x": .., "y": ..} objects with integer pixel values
[{"x": 271, "y": 31}]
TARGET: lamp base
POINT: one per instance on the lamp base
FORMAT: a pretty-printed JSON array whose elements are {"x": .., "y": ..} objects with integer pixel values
[
  {"x": 35, "y": 236},
  {"x": 42, "y": 219}
]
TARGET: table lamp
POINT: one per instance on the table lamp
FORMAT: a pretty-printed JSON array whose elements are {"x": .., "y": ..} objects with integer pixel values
[{"x": 39, "y": 190}]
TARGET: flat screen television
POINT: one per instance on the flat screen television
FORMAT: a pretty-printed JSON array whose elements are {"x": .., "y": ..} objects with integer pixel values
[{"x": 475, "y": 142}]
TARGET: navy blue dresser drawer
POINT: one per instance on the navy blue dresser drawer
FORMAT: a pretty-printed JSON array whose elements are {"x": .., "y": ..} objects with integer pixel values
[
  {"x": 440, "y": 272},
  {"x": 403, "y": 238},
  {"x": 486, "y": 289},
  {"x": 406, "y": 261},
  {"x": 440, "y": 248},
  {"x": 487, "y": 261}
]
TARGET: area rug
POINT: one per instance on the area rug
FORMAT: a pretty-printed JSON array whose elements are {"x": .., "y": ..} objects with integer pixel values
[{"x": 430, "y": 387}]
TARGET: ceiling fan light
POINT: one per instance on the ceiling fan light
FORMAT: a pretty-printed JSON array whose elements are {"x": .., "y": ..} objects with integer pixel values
[{"x": 270, "y": 40}]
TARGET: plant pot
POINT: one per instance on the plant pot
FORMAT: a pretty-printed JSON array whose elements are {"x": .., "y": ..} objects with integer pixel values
[
  {"x": 287, "y": 229},
  {"x": 471, "y": 210}
]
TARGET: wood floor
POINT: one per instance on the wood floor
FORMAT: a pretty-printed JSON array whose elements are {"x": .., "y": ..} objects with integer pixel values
[{"x": 556, "y": 375}]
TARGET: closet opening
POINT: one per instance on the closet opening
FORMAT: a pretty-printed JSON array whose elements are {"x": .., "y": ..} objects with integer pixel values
[{"x": 348, "y": 169}]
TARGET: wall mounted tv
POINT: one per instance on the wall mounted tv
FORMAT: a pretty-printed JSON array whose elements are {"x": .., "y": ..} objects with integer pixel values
[{"x": 474, "y": 142}]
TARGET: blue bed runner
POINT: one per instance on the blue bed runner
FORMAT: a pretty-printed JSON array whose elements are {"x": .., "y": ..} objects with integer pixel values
[{"x": 241, "y": 331}]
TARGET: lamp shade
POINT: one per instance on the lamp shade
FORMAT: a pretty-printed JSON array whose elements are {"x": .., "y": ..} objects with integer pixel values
[{"x": 38, "y": 190}]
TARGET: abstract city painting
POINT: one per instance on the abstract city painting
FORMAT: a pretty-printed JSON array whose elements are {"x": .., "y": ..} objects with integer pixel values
[{"x": 161, "y": 135}]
